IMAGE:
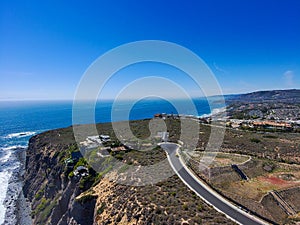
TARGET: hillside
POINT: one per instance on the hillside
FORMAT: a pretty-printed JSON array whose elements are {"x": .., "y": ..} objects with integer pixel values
[
  {"x": 275, "y": 105},
  {"x": 58, "y": 197},
  {"x": 287, "y": 96}
]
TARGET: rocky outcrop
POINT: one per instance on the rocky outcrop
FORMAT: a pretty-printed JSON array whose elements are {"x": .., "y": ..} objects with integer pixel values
[{"x": 46, "y": 183}]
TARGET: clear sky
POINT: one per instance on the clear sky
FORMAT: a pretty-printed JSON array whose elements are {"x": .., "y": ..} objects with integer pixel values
[{"x": 45, "y": 46}]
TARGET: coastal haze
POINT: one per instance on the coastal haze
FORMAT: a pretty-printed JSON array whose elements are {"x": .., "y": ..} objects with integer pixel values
[{"x": 156, "y": 112}]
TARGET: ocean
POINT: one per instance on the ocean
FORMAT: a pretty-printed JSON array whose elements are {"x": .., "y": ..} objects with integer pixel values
[{"x": 20, "y": 120}]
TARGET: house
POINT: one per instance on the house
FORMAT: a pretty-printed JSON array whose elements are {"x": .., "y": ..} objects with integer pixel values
[
  {"x": 158, "y": 115},
  {"x": 118, "y": 149},
  {"x": 272, "y": 125},
  {"x": 81, "y": 171},
  {"x": 105, "y": 138},
  {"x": 91, "y": 142},
  {"x": 94, "y": 139}
]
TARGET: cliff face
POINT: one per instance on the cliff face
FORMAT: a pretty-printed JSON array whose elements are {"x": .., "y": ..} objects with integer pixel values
[{"x": 46, "y": 184}]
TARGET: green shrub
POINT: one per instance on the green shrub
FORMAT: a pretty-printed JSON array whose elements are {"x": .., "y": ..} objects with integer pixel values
[
  {"x": 200, "y": 207},
  {"x": 81, "y": 162},
  {"x": 101, "y": 208},
  {"x": 255, "y": 140},
  {"x": 71, "y": 174},
  {"x": 86, "y": 198},
  {"x": 119, "y": 156},
  {"x": 173, "y": 193},
  {"x": 46, "y": 212},
  {"x": 270, "y": 136},
  {"x": 73, "y": 148},
  {"x": 43, "y": 204},
  {"x": 39, "y": 194},
  {"x": 185, "y": 207}
]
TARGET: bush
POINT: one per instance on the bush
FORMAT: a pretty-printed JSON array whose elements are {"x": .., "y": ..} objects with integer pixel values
[
  {"x": 39, "y": 194},
  {"x": 81, "y": 162},
  {"x": 71, "y": 174},
  {"x": 119, "y": 156},
  {"x": 185, "y": 207},
  {"x": 47, "y": 211},
  {"x": 101, "y": 208},
  {"x": 199, "y": 207},
  {"x": 84, "y": 181},
  {"x": 255, "y": 140},
  {"x": 173, "y": 193},
  {"x": 73, "y": 148},
  {"x": 270, "y": 136},
  {"x": 43, "y": 204}
]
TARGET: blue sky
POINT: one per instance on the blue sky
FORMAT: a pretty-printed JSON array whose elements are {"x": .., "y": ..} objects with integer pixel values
[{"x": 45, "y": 47}]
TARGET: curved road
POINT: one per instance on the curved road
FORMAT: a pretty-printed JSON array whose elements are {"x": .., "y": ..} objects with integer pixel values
[{"x": 206, "y": 193}]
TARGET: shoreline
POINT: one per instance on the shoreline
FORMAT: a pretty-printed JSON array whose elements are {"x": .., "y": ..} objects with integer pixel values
[{"x": 17, "y": 207}]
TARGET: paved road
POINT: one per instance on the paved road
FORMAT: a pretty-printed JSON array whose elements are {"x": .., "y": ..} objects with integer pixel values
[{"x": 226, "y": 207}]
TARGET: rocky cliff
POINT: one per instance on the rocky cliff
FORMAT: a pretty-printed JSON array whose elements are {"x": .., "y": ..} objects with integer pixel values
[{"x": 47, "y": 185}]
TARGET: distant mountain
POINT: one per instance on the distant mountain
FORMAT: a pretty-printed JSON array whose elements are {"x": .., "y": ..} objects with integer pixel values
[{"x": 292, "y": 95}]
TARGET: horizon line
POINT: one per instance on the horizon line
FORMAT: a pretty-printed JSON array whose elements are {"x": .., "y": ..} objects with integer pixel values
[{"x": 111, "y": 99}]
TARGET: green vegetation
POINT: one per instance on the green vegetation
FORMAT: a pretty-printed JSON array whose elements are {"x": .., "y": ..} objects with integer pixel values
[
  {"x": 85, "y": 182},
  {"x": 185, "y": 207},
  {"x": 101, "y": 208},
  {"x": 71, "y": 175},
  {"x": 173, "y": 193},
  {"x": 123, "y": 168},
  {"x": 255, "y": 140},
  {"x": 119, "y": 156},
  {"x": 44, "y": 209},
  {"x": 81, "y": 162},
  {"x": 46, "y": 212},
  {"x": 270, "y": 136},
  {"x": 39, "y": 194},
  {"x": 44, "y": 202},
  {"x": 73, "y": 148}
]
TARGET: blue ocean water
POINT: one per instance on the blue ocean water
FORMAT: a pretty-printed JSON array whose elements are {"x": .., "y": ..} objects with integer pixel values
[{"x": 20, "y": 120}]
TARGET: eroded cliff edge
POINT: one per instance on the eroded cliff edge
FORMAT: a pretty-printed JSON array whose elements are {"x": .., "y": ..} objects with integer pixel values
[{"x": 47, "y": 185}]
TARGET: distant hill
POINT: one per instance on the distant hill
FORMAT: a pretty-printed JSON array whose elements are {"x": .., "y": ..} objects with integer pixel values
[
  {"x": 288, "y": 96},
  {"x": 276, "y": 104}
]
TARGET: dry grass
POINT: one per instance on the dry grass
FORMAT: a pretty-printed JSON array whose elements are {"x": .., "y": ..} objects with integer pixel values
[
  {"x": 223, "y": 159},
  {"x": 257, "y": 187}
]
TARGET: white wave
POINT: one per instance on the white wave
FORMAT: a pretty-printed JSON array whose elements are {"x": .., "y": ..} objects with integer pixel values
[
  {"x": 7, "y": 152},
  {"x": 9, "y": 148},
  {"x": 21, "y": 134},
  {"x": 218, "y": 110},
  {"x": 214, "y": 112},
  {"x": 4, "y": 179},
  {"x": 5, "y": 158},
  {"x": 8, "y": 163}
]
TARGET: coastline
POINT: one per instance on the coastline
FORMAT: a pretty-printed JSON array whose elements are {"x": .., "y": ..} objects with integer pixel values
[{"x": 17, "y": 207}]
